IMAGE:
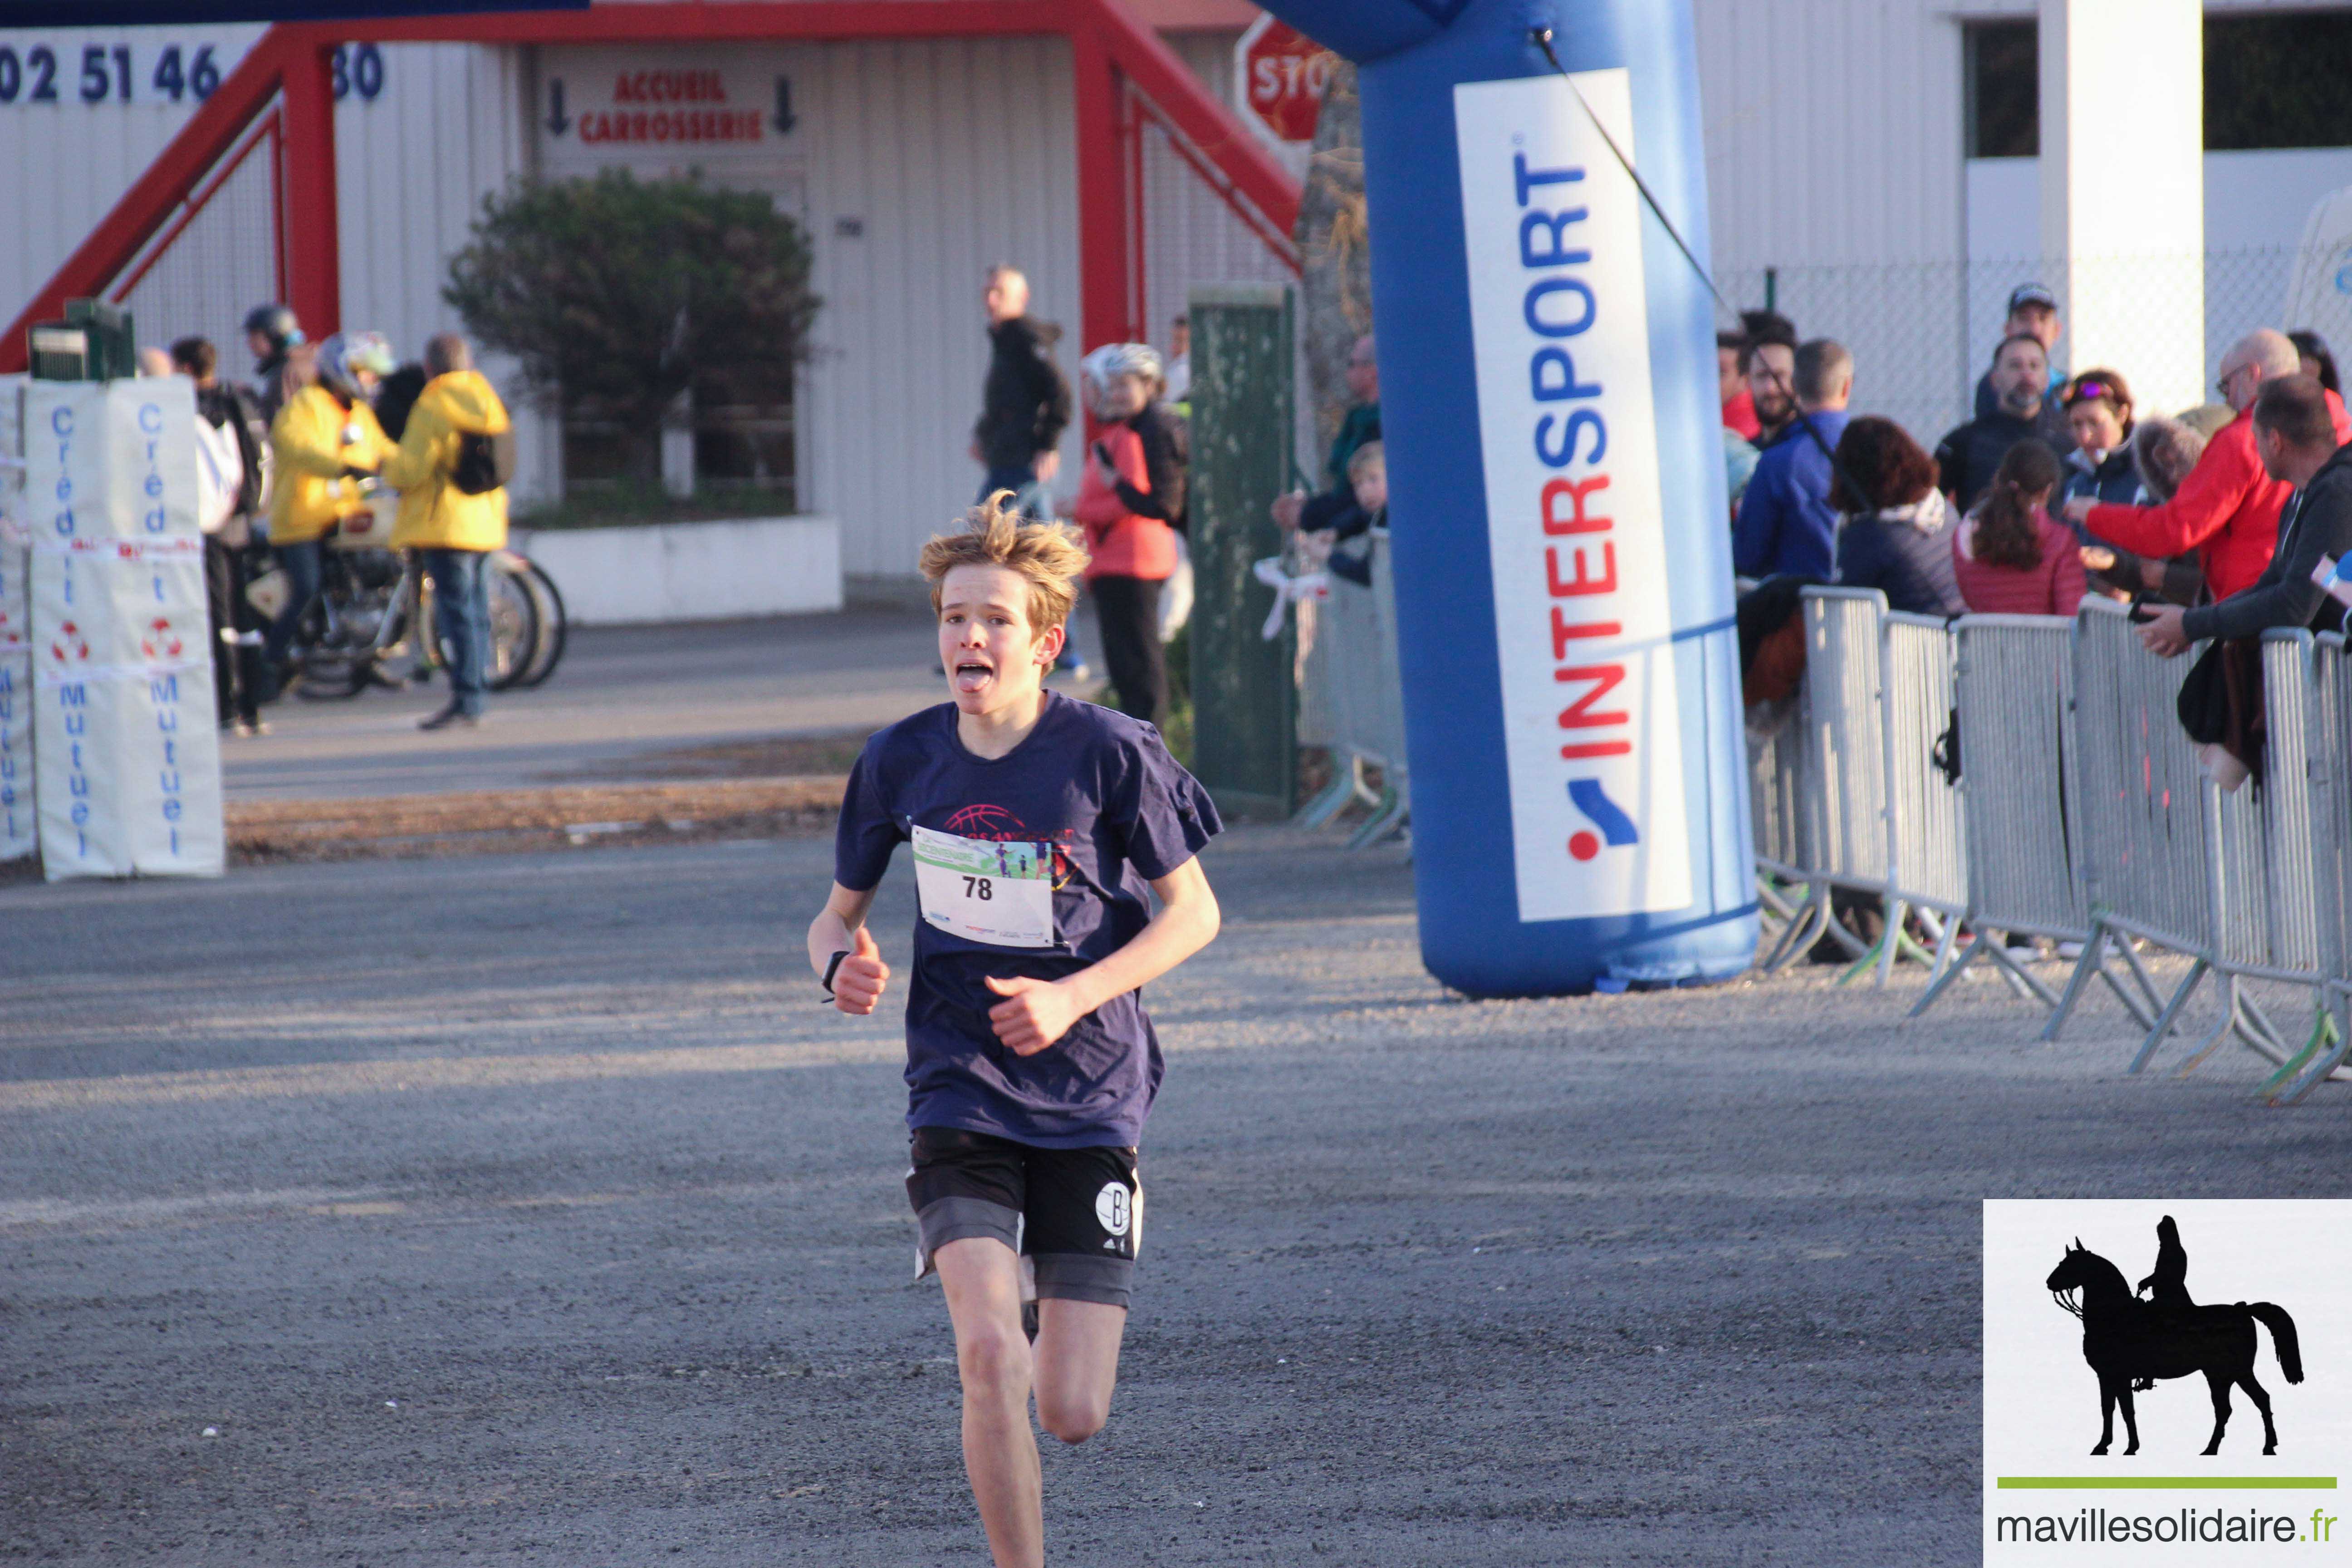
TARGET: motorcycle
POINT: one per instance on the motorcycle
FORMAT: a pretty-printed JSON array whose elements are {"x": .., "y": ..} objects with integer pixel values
[{"x": 372, "y": 623}]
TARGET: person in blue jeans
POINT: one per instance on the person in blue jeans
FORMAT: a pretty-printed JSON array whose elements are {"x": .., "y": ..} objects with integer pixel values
[{"x": 450, "y": 474}]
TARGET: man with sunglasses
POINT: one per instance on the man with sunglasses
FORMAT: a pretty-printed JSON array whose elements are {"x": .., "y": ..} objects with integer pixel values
[{"x": 2227, "y": 510}]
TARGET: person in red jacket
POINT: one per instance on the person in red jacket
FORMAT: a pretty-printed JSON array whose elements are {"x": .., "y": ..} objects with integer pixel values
[
  {"x": 2228, "y": 508},
  {"x": 1130, "y": 502}
]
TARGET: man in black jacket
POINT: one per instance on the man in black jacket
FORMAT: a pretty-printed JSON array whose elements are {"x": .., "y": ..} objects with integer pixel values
[
  {"x": 2295, "y": 435},
  {"x": 2033, "y": 314},
  {"x": 1967, "y": 457},
  {"x": 1025, "y": 404}
]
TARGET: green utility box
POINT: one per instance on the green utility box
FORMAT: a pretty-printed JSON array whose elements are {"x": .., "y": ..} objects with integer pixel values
[{"x": 1245, "y": 687}]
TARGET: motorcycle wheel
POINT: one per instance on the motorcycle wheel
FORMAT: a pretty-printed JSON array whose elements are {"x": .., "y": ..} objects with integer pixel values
[{"x": 326, "y": 673}]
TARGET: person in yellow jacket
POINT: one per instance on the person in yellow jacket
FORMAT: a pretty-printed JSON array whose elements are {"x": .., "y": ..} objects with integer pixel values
[
  {"x": 453, "y": 508},
  {"x": 325, "y": 439}
]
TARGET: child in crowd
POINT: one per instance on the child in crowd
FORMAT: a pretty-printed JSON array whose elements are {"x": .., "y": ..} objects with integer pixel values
[
  {"x": 1042, "y": 827},
  {"x": 2010, "y": 556},
  {"x": 1368, "y": 476}
]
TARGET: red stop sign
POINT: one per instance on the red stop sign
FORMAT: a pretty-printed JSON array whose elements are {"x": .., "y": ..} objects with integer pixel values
[{"x": 1283, "y": 75}]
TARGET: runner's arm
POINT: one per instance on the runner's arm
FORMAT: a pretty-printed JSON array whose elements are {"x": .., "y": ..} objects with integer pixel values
[
  {"x": 1036, "y": 1012},
  {"x": 840, "y": 927}
]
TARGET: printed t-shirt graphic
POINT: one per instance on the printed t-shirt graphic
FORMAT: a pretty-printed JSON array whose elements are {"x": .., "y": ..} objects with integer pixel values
[{"x": 1086, "y": 813}]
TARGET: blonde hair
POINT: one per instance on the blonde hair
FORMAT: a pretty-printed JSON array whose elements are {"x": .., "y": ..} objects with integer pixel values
[
  {"x": 1046, "y": 554},
  {"x": 1365, "y": 458}
]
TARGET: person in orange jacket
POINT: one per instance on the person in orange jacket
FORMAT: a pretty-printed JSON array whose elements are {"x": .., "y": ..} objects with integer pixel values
[
  {"x": 2228, "y": 508},
  {"x": 1130, "y": 503}
]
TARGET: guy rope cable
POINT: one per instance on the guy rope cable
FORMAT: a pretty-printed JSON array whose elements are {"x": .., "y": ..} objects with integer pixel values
[{"x": 1541, "y": 39}]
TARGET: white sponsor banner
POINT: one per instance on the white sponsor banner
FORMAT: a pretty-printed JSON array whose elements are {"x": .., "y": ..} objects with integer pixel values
[
  {"x": 64, "y": 461},
  {"x": 2084, "y": 1299},
  {"x": 1559, "y": 323},
  {"x": 16, "y": 595},
  {"x": 129, "y": 766},
  {"x": 19, "y": 830},
  {"x": 125, "y": 738}
]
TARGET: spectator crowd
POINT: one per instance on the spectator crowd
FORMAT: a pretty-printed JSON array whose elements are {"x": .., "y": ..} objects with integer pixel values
[
  {"x": 296, "y": 461},
  {"x": 2212, "y": 520}
]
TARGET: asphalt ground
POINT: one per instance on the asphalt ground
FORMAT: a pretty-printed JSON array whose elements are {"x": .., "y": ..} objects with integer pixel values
[
  {"x": 622, "y": 693},
  {"x": 532, "y": 1209},
  {"x": 627, "y": 703}
]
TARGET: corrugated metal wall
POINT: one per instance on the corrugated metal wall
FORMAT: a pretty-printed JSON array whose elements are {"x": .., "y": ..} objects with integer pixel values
[
  {"x": 942, "y": 156},
  {"x": 412, "y": 167},
  {"x": 413, "y": 163},
  {"x": 955, "y": 156},
  {"x": 410, "y": 170},
  {"x": 1833, "y": 130},
  {"x": 918, "y": 165},
  {"x": 1191, "y": 237},
  {"x": 65, "y": 162}
]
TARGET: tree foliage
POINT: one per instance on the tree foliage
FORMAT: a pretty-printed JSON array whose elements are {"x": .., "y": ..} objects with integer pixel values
[{"x": 618, "y": 295}]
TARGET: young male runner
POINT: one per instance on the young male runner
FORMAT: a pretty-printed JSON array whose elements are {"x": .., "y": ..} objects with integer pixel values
[{"x": 1037, "y": 821}]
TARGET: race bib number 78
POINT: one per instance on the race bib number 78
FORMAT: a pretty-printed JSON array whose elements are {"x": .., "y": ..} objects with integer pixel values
[{"x": 986, "y": 890}]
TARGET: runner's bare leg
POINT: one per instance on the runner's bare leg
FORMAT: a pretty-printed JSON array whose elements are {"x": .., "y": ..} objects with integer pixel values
[
  {"x": 982, "y": 1279},
  {"x": 1078, "y": 1364}
]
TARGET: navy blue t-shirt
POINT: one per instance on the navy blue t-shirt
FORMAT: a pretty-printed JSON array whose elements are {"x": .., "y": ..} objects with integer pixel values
[{"x": 1090, "y": 803}]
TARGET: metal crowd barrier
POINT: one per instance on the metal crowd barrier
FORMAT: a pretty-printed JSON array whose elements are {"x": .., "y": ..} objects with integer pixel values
[
  {"x": 2029, "y": 775},
  {"x": 2268, "y": 884},
  {"x": 1352, "y": 700},
  {"x": 1927, "y": 865},
  {"x": 1823, "y": 768},
  {"x": 2225, "y": 878},
  {"x": 2146, "y": 854},
  {"x": 2019, "y": 792},
  {"x": 1820, "y": 785},
  {"x": 1778, "y": 787},
  {"x": 2328, "y": 720}
]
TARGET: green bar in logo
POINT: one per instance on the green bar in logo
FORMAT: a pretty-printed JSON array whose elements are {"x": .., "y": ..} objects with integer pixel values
[{"x": 2164, "y": 1483}]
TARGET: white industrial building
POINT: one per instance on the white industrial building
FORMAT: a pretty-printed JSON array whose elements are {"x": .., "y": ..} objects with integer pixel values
[{"x": 1839, "y": 143}]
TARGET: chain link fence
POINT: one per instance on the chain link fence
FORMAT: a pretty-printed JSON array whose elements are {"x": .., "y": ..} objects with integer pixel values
[{"x": 1921, "y": 332}]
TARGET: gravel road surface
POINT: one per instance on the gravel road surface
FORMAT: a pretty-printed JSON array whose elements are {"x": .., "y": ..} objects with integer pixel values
[
  {"x": 531, "y": 1209},
  {"x": 622, "y": 693}
]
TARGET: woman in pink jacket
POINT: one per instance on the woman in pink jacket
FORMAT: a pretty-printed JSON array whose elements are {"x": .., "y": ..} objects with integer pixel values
[
  {"x": 2009, "y": 557},
  {"x": 1130, "y": 502}
]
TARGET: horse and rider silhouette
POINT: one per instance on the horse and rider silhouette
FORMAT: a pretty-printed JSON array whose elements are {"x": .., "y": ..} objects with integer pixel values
[{"x": 2130, "y": 1343}]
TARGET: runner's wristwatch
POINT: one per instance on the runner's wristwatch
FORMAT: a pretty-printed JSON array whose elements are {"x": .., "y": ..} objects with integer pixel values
[{"x": 832, "y": 968}]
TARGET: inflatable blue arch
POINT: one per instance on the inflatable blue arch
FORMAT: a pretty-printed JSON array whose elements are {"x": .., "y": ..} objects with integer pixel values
[{"x": 1561, "y": 541}]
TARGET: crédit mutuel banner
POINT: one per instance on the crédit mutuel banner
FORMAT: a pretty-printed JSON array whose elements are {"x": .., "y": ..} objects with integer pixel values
[
  {"x": 2168, "y": 1381},
  {"x": 1561, "y": 336}
]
